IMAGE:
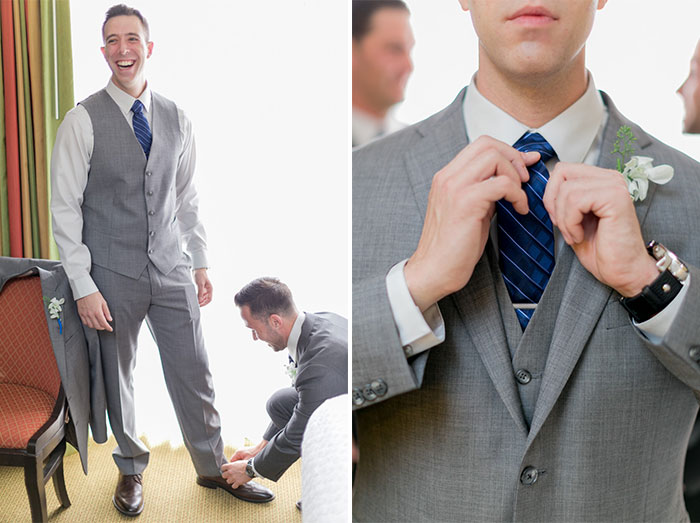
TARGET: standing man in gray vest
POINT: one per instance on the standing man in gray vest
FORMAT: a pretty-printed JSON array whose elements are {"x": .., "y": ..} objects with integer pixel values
[{"x": 123, "y": 203}]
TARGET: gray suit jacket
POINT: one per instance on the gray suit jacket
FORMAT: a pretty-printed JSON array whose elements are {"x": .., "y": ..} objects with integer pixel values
[
  {"x": 449, "y": 441},
  {"x": 322, "y": 373},
  {"x": 76, "y": 350}
]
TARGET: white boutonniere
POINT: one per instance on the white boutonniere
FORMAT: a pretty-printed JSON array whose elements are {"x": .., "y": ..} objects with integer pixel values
[
  {"x": 54, "y": 307},
  {"x": 638, "y": 171},
  {"x": 291, "y": 370}
]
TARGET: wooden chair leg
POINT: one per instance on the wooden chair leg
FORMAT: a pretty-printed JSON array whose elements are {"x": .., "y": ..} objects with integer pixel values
[
  {"x": 34, "y": 482},
  {"x": 59, "y": 485}
]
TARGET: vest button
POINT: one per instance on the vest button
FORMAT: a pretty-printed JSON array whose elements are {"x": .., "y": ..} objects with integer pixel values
[
  {"x": 152, "y": 233},
  {"x": 148, "y": 173},
  {"x": 150, "y": 193},
  {"x": 523, "y": 376},
  {"x": 151, "y": 213},
  {"x": 150, "y": 251},
  {"x": 529, "y": 476}
]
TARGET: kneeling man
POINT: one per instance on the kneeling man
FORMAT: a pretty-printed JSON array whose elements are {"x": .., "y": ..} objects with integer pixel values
[{"x": 318, "y": 345}]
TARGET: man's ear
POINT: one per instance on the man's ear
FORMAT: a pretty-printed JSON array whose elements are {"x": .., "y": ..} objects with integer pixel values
[
  {"x": 601, "y": 3},
  {"x": 103, "y": 51},
  {"x": 149, "y": 46},
  {"x": 275, "y": 321},
  {"x": 464, "y": 4}
]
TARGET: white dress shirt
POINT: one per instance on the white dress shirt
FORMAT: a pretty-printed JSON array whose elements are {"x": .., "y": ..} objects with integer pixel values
[
  {"x": 576, "y": 136},
  {"x": 366, "y": 127},
  {"x": 70, "y": 165}
]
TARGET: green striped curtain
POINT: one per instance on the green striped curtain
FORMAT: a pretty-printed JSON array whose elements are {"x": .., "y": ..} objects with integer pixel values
[{"x": 37, "y": 91}]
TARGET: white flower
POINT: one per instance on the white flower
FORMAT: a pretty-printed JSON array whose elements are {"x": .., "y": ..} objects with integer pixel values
[
  {"x": 291, "y": 370},
  {"x": 639, "y": 171},
  {"x": 55, "y": 308}
]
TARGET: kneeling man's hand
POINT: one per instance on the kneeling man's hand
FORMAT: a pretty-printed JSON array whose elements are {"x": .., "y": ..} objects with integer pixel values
[
  {"x": 94, "y": 312},
  {"x": 595, "y": 214},
  {"x": 234, "y": 473}
]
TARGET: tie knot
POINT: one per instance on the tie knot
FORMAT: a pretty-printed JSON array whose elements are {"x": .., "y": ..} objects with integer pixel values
[
  {"x": 137, "y": 108},
  {"x": 535, "y": 142}
]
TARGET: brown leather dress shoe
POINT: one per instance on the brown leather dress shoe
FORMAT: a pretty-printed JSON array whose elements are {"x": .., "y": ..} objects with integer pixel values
[
  {"x": 128, "y": 496},
  {"x": 251, "y": 491}
]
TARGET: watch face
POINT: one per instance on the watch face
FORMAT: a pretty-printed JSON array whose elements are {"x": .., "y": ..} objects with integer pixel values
[{"x": 249, "y": 470}]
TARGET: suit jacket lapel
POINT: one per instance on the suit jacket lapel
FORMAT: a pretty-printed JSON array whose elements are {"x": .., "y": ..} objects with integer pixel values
[
  {"x": 577, "y": 319},
  {"x": 443, "y": 138}
]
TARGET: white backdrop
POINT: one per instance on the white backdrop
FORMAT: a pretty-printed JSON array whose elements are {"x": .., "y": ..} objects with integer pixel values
[
  {"x": 265, "y": 85},
  {"x": 638, "y": 52}
]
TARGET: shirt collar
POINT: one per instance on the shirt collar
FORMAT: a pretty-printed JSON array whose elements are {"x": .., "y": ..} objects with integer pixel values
[
  {"x": 294, "y": 334},
  {"x": 570, "y": 134},
  {"x": 366, "y": 127},
  {"x": 124, "y": 100}
]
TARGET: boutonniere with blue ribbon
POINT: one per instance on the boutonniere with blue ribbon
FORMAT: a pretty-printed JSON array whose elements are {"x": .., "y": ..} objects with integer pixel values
[
  {"x": 638, "y": 171},
  {"x": 54, "y": 307}
]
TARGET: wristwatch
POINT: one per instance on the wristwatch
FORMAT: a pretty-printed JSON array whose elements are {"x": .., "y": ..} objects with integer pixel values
[
  {"x": 659, "y": 293},
  {"x": 249, "y": 469}
]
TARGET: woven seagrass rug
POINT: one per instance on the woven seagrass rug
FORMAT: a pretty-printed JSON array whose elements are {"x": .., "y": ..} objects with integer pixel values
[{"x": 170, "y": 492}]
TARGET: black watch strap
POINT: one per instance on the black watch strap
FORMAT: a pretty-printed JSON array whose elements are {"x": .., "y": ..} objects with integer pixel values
[{"x": 653, "y": 298}]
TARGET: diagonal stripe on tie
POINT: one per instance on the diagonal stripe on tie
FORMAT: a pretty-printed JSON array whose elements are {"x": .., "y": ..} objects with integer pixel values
[
  {"x": 142, "y": 130},
  {"x": 526, "y": 243}
]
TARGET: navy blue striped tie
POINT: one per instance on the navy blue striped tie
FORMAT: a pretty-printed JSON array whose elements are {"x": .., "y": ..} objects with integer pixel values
[
  {"x": 526, "y": 243},
  {"x": 141, "y": 128}
]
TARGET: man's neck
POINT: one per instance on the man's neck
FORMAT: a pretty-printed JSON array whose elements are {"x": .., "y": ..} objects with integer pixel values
[
  {"x": 533, "y": 102},
  {"x": 134, "y": 91}
]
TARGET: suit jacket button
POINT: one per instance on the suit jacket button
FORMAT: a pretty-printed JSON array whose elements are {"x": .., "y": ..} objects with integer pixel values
[
  {"x": 523, "y": 376},
  {"x": 529, "y": 476},
  {"x": 379, "y": 387},
  {"x": 151, "y": 213},
  {"x": 694, "y": 353},
  {"x": 408, "y": 350},
  {"x": 368, "y": 393},
  {"x": 357, "y": 397}
]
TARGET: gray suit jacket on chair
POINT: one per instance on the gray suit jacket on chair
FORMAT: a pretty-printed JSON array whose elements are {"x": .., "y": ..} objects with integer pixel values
[
  {"x": 78, "y": 357},
  {"x": 322, "y": 373},
  {"x": 449, "y": 440}
]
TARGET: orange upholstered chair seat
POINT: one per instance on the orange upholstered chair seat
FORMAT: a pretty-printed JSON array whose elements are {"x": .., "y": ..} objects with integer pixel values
[{"x": 23, "y": 410}]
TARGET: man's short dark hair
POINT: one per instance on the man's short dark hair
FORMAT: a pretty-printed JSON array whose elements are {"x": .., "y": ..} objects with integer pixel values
[
  {"x": 124, "y": 10},
  {"x": 362, "y": 11},
  {"x": 265, "y": 296}
]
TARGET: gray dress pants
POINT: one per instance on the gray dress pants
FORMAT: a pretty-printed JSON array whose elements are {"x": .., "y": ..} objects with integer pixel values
[{"x": 169, "y": 305}]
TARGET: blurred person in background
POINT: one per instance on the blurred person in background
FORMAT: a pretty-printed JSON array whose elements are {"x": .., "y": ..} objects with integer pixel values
[
  {"x": 689, "y": 91},
  {"x": 382, "y": 41}
]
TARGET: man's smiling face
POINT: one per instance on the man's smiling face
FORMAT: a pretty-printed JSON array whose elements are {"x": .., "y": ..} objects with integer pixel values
[{"x": 126, "y": 50}]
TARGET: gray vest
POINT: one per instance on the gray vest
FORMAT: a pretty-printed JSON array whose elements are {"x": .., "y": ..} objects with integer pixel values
[
  {"x": 529, "y": 350},
  {"x": 128, "y": 202}
]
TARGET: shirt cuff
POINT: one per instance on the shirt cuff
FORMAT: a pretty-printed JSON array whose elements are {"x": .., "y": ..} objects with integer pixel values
[
  {"x": 82, "y": 287},
  {"x": 252, "y": 464},
  {"x": 656, "y": 327},
  {"x": 417, "y": 331},
  {"x": 199, "y": 260}
]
